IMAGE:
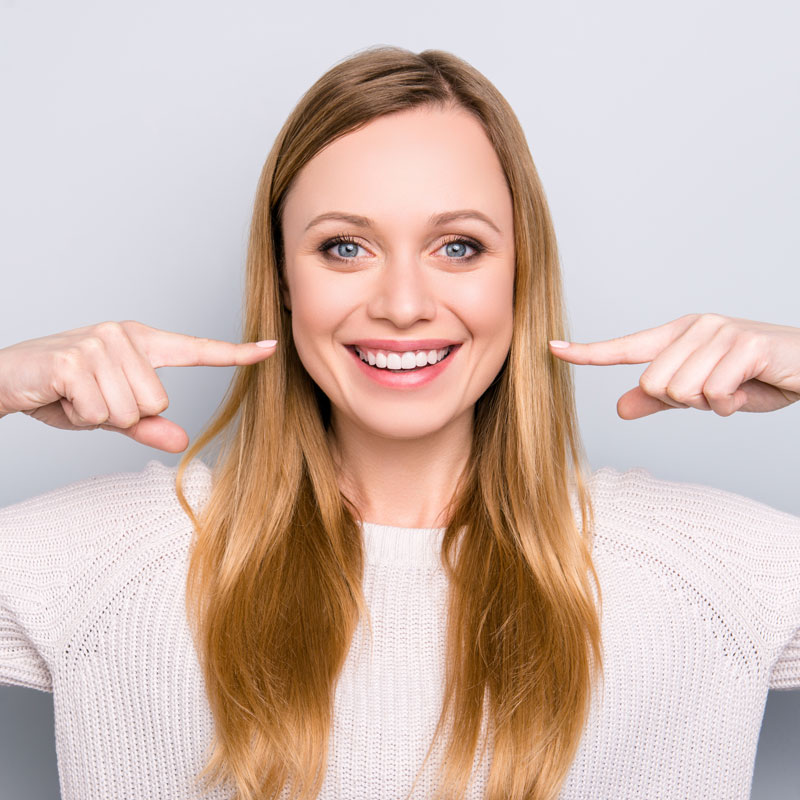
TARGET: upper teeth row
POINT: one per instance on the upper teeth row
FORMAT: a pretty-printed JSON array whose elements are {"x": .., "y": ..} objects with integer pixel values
[{"x": 409, "y": 360}]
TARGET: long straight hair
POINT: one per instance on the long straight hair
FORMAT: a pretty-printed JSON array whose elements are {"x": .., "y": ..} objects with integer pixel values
[{"x": 274, "y": 584}]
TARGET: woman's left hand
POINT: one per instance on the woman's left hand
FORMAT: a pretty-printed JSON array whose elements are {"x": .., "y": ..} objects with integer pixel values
[{"x": 706, "y": 361}]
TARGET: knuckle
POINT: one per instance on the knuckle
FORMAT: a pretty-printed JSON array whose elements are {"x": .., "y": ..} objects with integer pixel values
[
  {"x": 93, "y": 345},
  {"x": 714, "y": 394},
  {"x": 107, "y": 328},
  {"x": 678, "y": 394},
  {"x": 155, "y": 406},
  {"x": 127, "y": 420},
  {"x": 648, "y": 384},
  {"x": 711, "y": 318},
  {"x": 93, "y": 418},
  {"x": 132, "y": 326},
  {"x": 755, "y": 343},
  {"x": 692, "y": 318},
  {"x": 69, "y": 359},
  {"x": 730, "y": 326},
  {"x": 200, "y": 344}
]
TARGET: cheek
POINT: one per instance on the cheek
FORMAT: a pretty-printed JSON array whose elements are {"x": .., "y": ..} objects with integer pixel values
[
  {"x": 486, "y": 307},
  {"x": 316, "y": 299},
  {"x": 320, "y": 302}
]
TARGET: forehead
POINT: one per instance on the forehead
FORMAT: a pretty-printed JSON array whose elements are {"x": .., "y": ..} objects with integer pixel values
[{"x": 404, "y": 167}]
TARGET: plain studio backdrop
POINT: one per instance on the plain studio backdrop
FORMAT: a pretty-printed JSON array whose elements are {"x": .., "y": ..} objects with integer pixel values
[{"x": 666, "y": 136}]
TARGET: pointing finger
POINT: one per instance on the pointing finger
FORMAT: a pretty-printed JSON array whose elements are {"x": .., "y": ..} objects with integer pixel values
[
  {"x": 168, "y": 349},
  {"x": 634, "y": 348}
]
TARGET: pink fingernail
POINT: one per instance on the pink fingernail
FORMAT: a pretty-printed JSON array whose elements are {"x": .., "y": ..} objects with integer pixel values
[
  {"x": 267, "y": 343},
  {"x": 558, "y": 343}
]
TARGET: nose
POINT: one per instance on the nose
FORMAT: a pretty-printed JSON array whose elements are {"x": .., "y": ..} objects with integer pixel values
[{"x": 401, "y": 293}]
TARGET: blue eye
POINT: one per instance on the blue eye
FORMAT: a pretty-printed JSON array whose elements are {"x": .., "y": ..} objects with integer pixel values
[
  {"x": 457, "y": 243},
  {"x": 348, "y": 248}
]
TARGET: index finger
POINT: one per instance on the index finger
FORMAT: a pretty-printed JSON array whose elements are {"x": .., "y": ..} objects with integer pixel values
[
  {"x": 633, "y": 348},
  {"x": 169, "y": 349}
]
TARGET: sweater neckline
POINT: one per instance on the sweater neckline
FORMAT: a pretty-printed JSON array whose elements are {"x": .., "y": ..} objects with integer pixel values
[{"x": 392, "y": 545}]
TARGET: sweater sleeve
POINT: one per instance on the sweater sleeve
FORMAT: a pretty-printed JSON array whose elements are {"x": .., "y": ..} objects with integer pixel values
[
  {"x": 738, "y": 558},
  {"x": 761, "y": 547},
  {"x": 786, "y": 670},
  {"x": 34, "y": 537},
  {"x": 60, "y": 550},
  {"x": 764, "y": 548}
]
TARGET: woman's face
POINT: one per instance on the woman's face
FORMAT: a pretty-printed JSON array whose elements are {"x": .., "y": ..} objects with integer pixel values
[{"x": 403, "y": 282}]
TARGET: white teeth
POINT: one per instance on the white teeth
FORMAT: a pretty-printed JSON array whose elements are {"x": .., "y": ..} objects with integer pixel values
[{"x": 408, "y": 360}]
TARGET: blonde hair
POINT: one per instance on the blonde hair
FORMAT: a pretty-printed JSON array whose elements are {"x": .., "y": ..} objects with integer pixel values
[{"x": 274, "y": 587}]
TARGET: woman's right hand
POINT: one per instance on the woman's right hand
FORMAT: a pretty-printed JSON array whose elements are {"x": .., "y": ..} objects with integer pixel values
[{"x": 103, "y": 376}]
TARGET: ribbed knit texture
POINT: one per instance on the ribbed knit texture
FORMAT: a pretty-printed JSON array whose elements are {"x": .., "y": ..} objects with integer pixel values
[{"x": 701, "y": 591}]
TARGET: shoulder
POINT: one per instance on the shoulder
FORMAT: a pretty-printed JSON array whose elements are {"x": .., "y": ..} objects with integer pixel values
[
  {"x": 104, "y": 504},
  {"x": 734, "y": 558},
  {"x": 639, "y": 499},
  {"x": 72, "y": 555},
  {"x": 703, "y": 541}
]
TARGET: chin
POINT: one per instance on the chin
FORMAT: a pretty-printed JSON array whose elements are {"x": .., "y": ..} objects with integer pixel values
[{"x": 399, "y": 426}]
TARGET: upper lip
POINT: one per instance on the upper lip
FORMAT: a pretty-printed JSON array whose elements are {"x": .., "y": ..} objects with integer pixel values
[{"x": 403, "y": 346}]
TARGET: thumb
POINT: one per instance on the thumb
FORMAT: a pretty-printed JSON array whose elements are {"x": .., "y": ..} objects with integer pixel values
[
  {"x": 156, "y": 431},
  {"x": 637, "y": 403}
]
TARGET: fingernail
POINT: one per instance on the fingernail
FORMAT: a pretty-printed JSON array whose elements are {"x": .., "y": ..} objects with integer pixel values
[
  {"x": 267, "y": 343},
  {"x": 558, "y": 343}
]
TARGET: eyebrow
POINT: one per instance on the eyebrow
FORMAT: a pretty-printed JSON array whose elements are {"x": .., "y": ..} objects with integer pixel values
[{"x": 435, "y": 220}]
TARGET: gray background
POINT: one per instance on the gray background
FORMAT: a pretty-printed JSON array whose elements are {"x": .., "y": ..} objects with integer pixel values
[{"x": 666, "y": 136}]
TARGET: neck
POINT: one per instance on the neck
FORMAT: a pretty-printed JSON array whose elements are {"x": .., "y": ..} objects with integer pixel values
[{"x": 405, "y": 483}]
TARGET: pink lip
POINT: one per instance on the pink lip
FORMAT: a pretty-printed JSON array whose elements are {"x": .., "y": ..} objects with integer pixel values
[
  {"x": 408, "y": 380},
  {"x": 403, "y": 345}
]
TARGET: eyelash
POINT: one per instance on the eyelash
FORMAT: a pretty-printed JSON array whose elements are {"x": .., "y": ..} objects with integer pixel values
[{"x": 344, "y": 238}]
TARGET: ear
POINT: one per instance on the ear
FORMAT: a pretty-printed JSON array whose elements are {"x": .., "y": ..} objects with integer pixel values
[{"x": 287, "y": 301}]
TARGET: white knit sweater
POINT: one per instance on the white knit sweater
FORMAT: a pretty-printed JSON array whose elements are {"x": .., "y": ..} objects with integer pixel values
[{"x": 701, "y": 592}]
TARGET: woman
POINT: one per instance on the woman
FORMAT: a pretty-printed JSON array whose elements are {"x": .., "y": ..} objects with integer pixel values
[{"x": 393, "y": 572}]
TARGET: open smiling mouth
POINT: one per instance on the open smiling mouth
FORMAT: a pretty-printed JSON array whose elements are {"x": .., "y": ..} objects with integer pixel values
[{"x": 392, "y": 362}]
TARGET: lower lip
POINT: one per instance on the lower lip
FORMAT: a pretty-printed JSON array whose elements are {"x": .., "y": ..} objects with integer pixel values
[{"x": 404, "y": 380}]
